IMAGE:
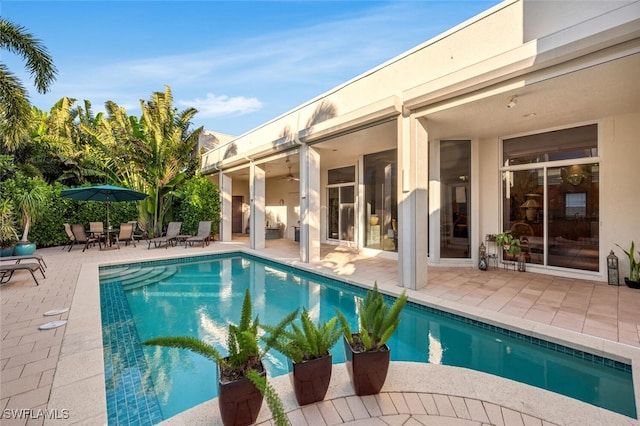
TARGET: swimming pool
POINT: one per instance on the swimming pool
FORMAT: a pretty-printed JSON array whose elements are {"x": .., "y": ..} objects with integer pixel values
[{"x": 198, "y": 296}]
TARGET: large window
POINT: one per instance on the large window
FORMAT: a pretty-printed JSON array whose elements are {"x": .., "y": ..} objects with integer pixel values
[
  {"x": 551, "y": 196},
  {"x": 455, "y": 172},
  {"x": 381, "y": 200},
  {"x": 341, "y": 190}
]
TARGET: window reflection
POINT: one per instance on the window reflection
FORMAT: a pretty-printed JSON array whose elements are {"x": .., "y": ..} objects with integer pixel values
[
  {"x": 554, "y": 207},
  {"x": 381, "y": 202}
]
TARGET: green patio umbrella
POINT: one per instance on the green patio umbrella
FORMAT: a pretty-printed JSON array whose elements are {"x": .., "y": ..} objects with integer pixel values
[{"x": 104, "y": 193}]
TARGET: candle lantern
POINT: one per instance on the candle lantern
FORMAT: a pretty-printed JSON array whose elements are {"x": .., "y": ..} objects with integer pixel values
[
  {"x": 482, "y": 263},
  {"x": 612, "y": 269}
]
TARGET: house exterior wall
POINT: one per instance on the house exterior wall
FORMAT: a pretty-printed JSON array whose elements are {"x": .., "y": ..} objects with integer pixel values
[{"x": 561, "y": 60}]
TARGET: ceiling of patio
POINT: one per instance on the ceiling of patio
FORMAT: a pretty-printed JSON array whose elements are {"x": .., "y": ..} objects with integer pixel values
[{"x": 573, "y": 98}]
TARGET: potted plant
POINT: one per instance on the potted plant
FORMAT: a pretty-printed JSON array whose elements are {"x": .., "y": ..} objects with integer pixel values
[
  {"x": 510, "y": 245},
  {"x": 8, "y": 234},
  {"x": 29, "y": 198},
  {"x": 367, "y": 354},
  {"x": 307, "y": 348},
  {"x": 242, "y": 383},
  {"x": 633, "y": 280}
]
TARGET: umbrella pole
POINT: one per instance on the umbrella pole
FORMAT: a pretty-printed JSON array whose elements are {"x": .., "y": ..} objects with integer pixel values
[{"x": 107, "y": 241}]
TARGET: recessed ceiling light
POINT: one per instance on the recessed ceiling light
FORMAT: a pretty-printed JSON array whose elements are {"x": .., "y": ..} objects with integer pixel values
[{"x": 530, "y": 115}]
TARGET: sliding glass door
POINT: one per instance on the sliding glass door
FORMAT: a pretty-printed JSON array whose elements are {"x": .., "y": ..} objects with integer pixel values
[{"x": 341, "y": 210}]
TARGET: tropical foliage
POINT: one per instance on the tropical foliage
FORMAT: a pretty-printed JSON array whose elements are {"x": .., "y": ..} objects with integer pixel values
[
  {"x": 8, "y": 233},
  {"x": 28, "y": 196},
  {"x": 198, "y": 199},
  {"x": 15, "y": 110},
  {"x": 155, "y": 153}
]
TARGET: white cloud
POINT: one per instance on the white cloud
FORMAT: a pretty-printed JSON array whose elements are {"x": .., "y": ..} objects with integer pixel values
[{"x": 218, "y": 106}]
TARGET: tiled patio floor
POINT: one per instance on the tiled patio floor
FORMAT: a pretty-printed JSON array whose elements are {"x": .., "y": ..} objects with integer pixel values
[{"x": 40, "y": 369}]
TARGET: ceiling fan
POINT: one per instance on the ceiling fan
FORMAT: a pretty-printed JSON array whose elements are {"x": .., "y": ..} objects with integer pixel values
[{"x": 290, "y": 177}]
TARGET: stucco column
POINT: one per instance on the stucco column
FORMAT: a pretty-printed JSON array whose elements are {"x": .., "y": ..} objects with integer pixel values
[
  {"x": 413, "y": 234},
  {"x": 309, "y": 204},
  {"x": 257, "y": 180},
  {"x": 225, "y": 184}
]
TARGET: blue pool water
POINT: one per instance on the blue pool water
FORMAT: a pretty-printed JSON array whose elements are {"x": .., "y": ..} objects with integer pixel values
[{"x": 200, "y": 296}]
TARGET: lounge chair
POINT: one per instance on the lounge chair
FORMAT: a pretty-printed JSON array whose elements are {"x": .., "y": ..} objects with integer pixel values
[
  {"x": 169, "y": 238},
  {"x": 6, "y": 271},
  {"x": 82, "y": 238},
  {"x": 17, "y": 259},
  {"x": 125, "y": 234},
  {"x": 203, "y": 236}
]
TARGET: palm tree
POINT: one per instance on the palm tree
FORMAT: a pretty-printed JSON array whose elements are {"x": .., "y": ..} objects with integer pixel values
[
  {"x": 168, "y": 149},
  {"x": 153, "y": 154},
  {"x": 15, "y": 110}
]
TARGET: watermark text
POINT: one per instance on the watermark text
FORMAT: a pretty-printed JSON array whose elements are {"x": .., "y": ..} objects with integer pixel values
[{"x": 35, "y": 413}]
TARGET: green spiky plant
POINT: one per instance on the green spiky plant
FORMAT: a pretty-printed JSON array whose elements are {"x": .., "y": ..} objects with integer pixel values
[
  {"x": 8, "y": 233},
  {"x": 377, "y": 321},
  {"x": 245, "y": 354},
  {"x": 634, "y": 265},
  {"x": 306, "y": 341}
]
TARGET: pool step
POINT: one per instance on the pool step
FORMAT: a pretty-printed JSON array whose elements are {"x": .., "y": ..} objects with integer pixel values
[
  {"x": 134, "y": 277},
  {"x": 147, "y": 279}
]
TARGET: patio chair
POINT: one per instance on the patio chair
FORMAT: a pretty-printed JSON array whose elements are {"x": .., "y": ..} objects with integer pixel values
[
  {"x": 125, "y": 234},
  {"x": 6, "y": 271},
  {"x": 72, "y": 238},
  {"x": 139, "y": 233},
  {"x": 96, "y": 229},
  {"x": 82, "y": 238},
  {"x": 203, "y": 236},
  {"x": 169, "y": 238}
]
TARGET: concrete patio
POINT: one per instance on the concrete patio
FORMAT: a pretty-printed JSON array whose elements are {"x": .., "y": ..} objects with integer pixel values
[{"x": 59, "y": 373}]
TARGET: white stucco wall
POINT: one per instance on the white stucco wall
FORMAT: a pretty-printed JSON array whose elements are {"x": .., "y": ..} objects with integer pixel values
[
  {"x": 620, "y": 185},
  {"x": 544, "y": 17}
]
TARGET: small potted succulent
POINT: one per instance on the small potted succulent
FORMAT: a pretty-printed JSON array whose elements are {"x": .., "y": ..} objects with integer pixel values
[
  {"x": 367, "y": 354},
  {"x": 633, "y": 280},
  {"x": 307, "y": 348},
  {"x": 242, "y": 383}
]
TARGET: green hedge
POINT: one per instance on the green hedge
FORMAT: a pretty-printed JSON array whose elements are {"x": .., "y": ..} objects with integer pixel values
[{"x": 48, "y": 231}]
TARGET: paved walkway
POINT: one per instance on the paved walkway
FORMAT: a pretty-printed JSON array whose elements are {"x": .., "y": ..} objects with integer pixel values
[{"x": 45, "y": 373}]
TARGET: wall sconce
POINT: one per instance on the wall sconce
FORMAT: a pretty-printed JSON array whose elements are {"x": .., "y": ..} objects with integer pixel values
[{"x": 512, "y": 102}]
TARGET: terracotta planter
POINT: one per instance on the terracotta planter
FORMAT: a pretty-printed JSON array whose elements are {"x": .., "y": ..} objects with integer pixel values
[
  {"x": 310, "y": 379},
  {"x": 367, "y": 370},
  {"x": 239, "y": 401}
]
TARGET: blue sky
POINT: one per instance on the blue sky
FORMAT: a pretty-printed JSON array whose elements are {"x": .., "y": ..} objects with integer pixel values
[{"x": 239, "y": 63}]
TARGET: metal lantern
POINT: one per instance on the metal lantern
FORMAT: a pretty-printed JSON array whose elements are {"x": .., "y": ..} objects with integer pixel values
[
  {"x": 612, "y": 269},
  {"x": 522, "y": 263},
  {"x": 482, "y": 263}
]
